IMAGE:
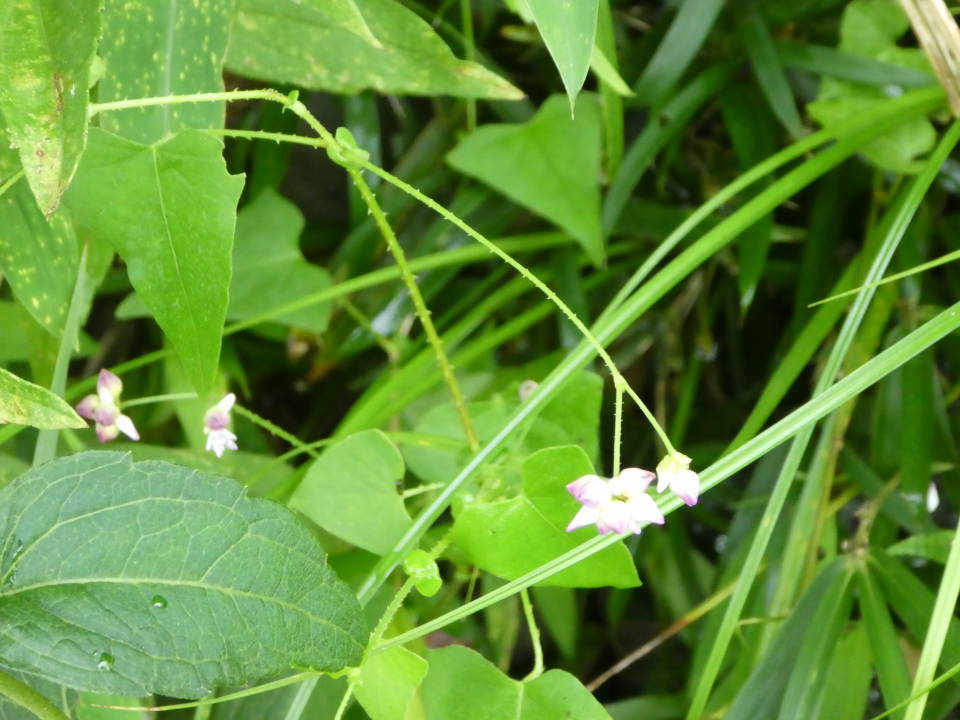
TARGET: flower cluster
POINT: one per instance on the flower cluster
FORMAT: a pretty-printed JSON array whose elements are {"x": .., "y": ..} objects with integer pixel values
[
  {"x": 622, "y": 504},
  {"x": 104, "y": 409},
  {"x": 618, "y": 505}
]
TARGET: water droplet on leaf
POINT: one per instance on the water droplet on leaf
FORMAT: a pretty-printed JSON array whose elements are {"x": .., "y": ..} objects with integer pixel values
[
  {"x": 106, "y": 662},
  {"x": 159, "y": 602}
]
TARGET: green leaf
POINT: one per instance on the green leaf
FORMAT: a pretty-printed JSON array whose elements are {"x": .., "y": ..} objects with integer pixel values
[
  {"x": 568, "y": 28},
  {"x": 462, "y": 684},
  {"x": 139, "y": 578},
  {"x": 52, "y": 691},
  {"x": 169, "y": 210},
  {"x": 570, "y": 418},
  {"x": 550, "y": 165},
  {"x": 24, "y": 403},
  {"x": 676, "y": 51},
  {"x": 872, "y": 28},
  {"x": 269, "y": 270},
  {"x": 423, "y": 569},
  {"x": 892, "y": 674},
  {"x": 38, "y": 257},
  {"x": 160, "y": 49},
  {"x": 47, "y": 48},
  {"x": 848, "y": 678},
  {"x": 762, "y": 694},
  {"x": 351, "y": 491},
  {"x": 511, "y": 537},
  {"x": 387, "y": 684},
  {"x": 314, "y": 45},
  {"x": 933, "y": 546}
]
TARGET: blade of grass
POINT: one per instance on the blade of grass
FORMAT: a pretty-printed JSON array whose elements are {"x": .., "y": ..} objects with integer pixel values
[
  {"x": 766, "y": 66},
  {"x": 888, "y": 657},
  {"x": 848, "y": 66},
  {"x": 46, "y": 446},
  {"x": 891, "y": 231},
  {"x": 676, "y": 51},
  {"x": 664, "y": 124},
  {"x": 610, "y": 327},
  {"x": 936, "y": 637},
  {"x": 611, "y": 101},
  {"x": 853, "y": 384}
]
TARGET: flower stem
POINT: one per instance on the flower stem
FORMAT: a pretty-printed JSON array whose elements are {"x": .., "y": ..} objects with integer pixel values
[
  {"x": 11, "y": 181},
  {"x": 26, "y": 697},
  {"x": 151, "y": 399},
  {"x": 423, "y": 312},
  {"x": 537, "y": 670},
  {"x": 274, "y": 429}
]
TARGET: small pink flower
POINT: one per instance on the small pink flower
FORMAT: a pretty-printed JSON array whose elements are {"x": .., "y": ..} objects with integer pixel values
[
  {"x": 618, "y": 505},
  {"x": 674, "y": 472},
  {"x": 104, "y": 409},
  {"x": 215, "y": 426}
]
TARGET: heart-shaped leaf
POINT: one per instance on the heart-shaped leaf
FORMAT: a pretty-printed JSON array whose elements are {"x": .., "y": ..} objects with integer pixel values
[
  {"x": 550, "y": 165},
  {"x": 269, "y": 271},
  {"x": 512, "y": 537},
  {"x": 169, "y": 210},
  {"x": 139, "y": 578},
  {"x": 461, "y": 683},
  {"x": 351, "y": 491}
]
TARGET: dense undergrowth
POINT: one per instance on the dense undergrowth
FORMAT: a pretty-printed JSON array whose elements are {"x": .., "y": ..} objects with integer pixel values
[{"x": 411, "y": 270}]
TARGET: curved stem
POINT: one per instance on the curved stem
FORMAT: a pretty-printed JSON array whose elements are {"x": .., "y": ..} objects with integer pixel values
[
  {"x": 274, "y": 429},
  {"x": 423, "y": 312},
  {"x": 537, "y": 670},
  {"x": 26, "y": 697}
]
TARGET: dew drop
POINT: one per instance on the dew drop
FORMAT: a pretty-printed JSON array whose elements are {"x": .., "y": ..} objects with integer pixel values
[
  {"x": 159, "y": 602},
  {"x": 106, "y": 662}
]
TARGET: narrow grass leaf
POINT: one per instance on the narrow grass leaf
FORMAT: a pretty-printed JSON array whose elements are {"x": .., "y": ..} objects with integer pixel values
[
  {"x": 766, "y": 66},
  {"x": 676, "y": 51},
  {"x": 888, "y": 656}
]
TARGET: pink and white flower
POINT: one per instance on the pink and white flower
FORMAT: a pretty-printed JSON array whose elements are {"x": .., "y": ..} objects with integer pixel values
[
  {"x": 216, "y": 426},
  {"x": 104, "y": 409},
  {"x": 620, "y": 504},
  {"x": 674, "y": 472}
]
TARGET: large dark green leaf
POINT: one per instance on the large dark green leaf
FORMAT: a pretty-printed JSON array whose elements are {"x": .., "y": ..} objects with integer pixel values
[
  {"x": 46, "y": 48},
  {"x": 312, "y": 44},
  {"x": 550, "y": 165},
  {"x": 169, "y": 210},
  {"x": 137, "y": 578},
  {"x": 163, "y": 48}
]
